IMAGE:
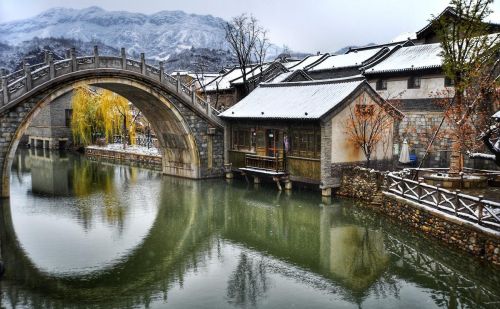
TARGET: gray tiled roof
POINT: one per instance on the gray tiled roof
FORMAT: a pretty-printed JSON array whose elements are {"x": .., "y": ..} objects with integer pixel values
[
  {"x": 295, "y": 100},
  {"x": 410, "y": 58}
]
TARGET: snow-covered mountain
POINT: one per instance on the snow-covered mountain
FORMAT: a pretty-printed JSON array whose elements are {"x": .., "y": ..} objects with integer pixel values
[{"x": 159, "y": 35}]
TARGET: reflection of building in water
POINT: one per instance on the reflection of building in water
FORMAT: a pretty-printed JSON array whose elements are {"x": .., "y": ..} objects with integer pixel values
[
  {"x": 51, "y": 128},
  {"x": 356, "y": 256},
  {"x": 50, "y": 172}
]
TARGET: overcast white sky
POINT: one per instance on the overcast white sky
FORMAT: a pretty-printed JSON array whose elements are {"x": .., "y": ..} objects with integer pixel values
[{"x": 303, "y": 25}]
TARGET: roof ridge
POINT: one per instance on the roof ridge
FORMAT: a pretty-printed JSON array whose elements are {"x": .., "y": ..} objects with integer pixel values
[{"x": 341, "y": 80}]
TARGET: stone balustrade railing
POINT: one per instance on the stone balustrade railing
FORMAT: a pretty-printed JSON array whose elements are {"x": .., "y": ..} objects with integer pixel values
[
  {"x": 18, "y": 83},
  {"x": 474, "y": 209}
]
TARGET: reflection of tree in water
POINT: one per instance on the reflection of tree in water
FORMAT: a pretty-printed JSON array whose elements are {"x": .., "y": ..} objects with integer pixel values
[
  {"x": 92, "y": 177},
  {"x": 89, "y": 177},
  {"x": 371, "y": 255},
  {"x": 248, "y": 282}
]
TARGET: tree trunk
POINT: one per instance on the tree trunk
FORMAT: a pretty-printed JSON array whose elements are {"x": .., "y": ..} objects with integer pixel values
[
  {"x": 124, "y": 138},
  {"x": 455, "y": 164},
  {"x": 368, "y": 161},
  {"x": 455, "y": 161}
]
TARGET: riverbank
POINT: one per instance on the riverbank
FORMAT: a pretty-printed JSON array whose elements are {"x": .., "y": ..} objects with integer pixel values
[
  {"x": 444, "y": 216},
  {"x": 132, "y": 155}
]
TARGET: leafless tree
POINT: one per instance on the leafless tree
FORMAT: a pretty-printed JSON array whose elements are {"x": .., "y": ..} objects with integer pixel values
[
  {"x": 243, "y": 34},
  {"x": 262, "y": 44}
]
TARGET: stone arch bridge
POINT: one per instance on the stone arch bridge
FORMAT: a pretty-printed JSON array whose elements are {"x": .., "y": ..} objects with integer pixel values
[{"x": 190, "y": 133}]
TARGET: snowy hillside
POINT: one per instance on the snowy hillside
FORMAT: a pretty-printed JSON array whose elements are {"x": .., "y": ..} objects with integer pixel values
[{"x": 159, "y": 35}]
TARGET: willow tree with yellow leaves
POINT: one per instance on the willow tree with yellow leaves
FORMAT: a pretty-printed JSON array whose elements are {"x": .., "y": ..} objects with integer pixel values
[{"x": 101, "y": 113}]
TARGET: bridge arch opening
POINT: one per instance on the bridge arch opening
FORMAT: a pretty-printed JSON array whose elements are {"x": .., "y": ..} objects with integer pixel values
[{"x": 178, "y": 144}]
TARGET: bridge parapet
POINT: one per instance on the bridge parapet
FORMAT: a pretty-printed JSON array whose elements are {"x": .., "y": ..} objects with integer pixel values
[{"x": 22, "y": 82}]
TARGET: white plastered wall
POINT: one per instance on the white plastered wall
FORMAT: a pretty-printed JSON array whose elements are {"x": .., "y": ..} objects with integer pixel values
[{"x": 343, "y": 150}]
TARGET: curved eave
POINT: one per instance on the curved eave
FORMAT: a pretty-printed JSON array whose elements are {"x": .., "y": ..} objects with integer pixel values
[
  {"x": 426, "y": 68},
  {"x": 268, "y": 118}
]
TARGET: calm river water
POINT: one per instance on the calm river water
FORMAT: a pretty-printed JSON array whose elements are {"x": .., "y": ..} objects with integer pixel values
[{"x": 81, "y": 234}]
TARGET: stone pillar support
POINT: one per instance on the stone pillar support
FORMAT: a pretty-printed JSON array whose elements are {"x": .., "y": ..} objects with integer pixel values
[
  {"x": 124, "y": 58},
  {"x": 288, "y": 184},
  {"x": 326, "y": 192},
  {"x": 256, "y": 179},
  {"x": 143, "y": 64}
]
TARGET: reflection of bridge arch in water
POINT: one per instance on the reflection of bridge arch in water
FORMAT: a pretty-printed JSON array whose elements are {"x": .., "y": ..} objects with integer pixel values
[
  {"x": 240, "y": 219},
  {"x": 172, "y": 240}
]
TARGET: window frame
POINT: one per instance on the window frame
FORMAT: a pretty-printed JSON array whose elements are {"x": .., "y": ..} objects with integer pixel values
[
  {"x": 305, "y": 143},
  {"x": 381, "y": 84},
  {"x": 448, "y": 82},
  {"x": 414, "y": 82},
  {"x": 241, "y": 139}
]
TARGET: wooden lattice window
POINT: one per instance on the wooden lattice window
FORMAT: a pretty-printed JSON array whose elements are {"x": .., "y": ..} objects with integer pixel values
[
  {"x": 305, "y": 143},
  {"x": 241, "y": 139}
]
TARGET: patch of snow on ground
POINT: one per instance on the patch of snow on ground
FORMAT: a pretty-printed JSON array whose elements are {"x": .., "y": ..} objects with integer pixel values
[{"x": 130, "y": 149}]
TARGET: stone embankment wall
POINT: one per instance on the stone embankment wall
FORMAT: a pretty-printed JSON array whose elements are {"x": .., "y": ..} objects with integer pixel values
[
  {"x": 154, "y": 162},
  {"x": 466, "y": 236},
  {"x": 367, "y": 185},
  {"x": 361, "y": 183}
]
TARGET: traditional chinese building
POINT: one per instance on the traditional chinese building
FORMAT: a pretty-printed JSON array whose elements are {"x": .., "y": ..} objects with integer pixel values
[{"x": 297, "y": 130}]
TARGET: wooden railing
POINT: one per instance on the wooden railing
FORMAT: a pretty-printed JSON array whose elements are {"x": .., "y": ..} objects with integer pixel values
[
  {"x": 274, "y": 164},
  {"x": 466, "y": 207}
]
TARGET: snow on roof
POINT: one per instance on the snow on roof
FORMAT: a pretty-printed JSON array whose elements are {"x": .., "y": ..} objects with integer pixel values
[
  {"x": 290, "y": 63},
  {"x": 257, "y": 70},
  {"x": 351, "y": 59},
  {"x": 410, "y": 58},
  {"x": 295, "y": 100},
  {"x": 404, "y": 37},
  {"x": 307, "y": 61},
  {"x": 224, "y": 81},
  {"x": 281, "y": 77}
]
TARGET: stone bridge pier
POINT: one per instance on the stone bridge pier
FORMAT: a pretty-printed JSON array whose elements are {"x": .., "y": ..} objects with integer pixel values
[{"x": 190, "y": 134}]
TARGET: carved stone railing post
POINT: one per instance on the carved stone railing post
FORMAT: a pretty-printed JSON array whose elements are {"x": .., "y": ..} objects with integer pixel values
[
  {"x": 162, "y": 72},
  {"x": 74, "y": 64},
  {"x": 68, "y": 54},
  {"x": 193, "y": 94},
  {"x": 124, "y": 58},
  {"x": 96, "y": 57},
  {"x": 143, "y": 64},
  {"x": 178, "y": 81},
  {"x": 209, "y": 109},
  {"x": 46, "y": 56},
  {"x": 480, "y": 207},
  {"x": 52, "y": 71},
  {"x": 5, "y": 88},
  {"x": 27, "y": 73}
]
